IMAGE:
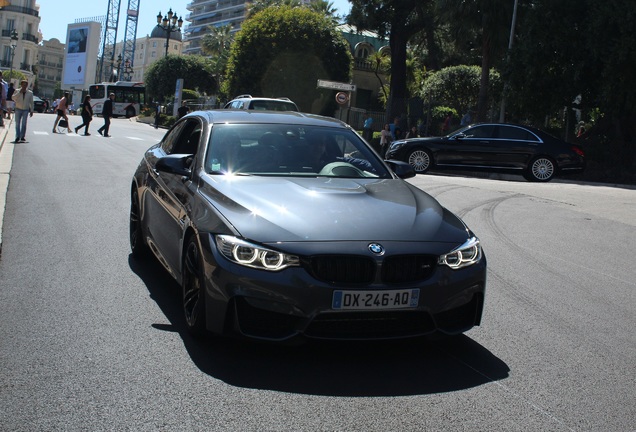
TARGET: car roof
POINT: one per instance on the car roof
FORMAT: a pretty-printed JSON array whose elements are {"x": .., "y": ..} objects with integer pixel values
[{"x": 280, "y": 117}]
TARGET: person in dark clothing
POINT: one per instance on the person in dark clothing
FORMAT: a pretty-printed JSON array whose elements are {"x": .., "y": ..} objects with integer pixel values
[
  {"x": 157, "y": 116},
  {"x": 87, "y": 115},
  {"x": 182, "y": 110},
  {"x": 107, "y": 113}
]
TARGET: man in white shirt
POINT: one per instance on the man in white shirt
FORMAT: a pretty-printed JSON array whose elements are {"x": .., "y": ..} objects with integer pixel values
[{"x": 23, "y": 107}]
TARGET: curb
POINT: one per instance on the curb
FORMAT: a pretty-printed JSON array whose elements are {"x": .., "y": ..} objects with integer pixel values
[{"x": 6, "y": 159}]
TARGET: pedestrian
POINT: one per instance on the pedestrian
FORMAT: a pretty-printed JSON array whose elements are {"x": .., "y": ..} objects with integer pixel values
[
  {"x": 23, "y": 106},
  {"x": 412, "y": 133},
  {"x": 3, "y": 98},
  {"x": 581, "y": 130},
  {"x": 10, "y": 103},
  {"x": 466, "y": 119},
  {"x": 87, "y": 115},
  {"x": 62, "y": 107},
  {"x": 157, "y": 116},
  {"x": 367, "y": 128},
  {"x": 385, "y": 139},
  {"x": 447, "y": 123},
  {"x": 107, "y": 113},
  {"x": 182, "y": 110}
]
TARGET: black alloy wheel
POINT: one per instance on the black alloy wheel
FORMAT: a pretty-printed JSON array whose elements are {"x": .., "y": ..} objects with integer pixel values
[{"x": 193, "y": 288}]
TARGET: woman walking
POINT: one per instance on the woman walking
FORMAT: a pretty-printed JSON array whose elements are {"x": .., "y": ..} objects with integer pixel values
[
  {"x": 87, "y": 115},
  {"x": 62, "y": 106},
  {"x": 385, "y": 139}
]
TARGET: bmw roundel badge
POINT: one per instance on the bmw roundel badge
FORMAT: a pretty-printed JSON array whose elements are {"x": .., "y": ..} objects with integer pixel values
[{"x": 376, "y": 248}]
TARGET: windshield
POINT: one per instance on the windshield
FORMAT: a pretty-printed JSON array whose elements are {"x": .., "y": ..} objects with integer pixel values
[{"x": 290, "y": 150}]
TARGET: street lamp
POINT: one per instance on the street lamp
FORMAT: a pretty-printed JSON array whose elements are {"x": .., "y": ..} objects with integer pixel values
[
  {"x": 128, "y": 70},
  {"x": 14, "y": 44},
  {"x": 170, "y": 23},
  {"x": 114, "y": 74}
]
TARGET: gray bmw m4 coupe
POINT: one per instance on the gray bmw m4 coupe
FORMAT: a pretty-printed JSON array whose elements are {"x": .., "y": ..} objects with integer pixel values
[{"x": 280, "y": 226}]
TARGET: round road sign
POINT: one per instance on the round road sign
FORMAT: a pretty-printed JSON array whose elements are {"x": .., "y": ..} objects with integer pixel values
[{"x": 342, "y": 98}]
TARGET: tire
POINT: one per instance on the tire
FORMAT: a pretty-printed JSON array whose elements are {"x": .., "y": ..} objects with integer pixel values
[
  {"x": 130, "y": 112},
  {"x": 541, "y": 169},
  {"x": 193, "y": 288},
  {"x": 420, "y": 159},
  {"x": 138, "y": 245}
]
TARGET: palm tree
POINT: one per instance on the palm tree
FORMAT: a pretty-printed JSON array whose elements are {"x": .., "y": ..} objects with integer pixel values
[
  {"x": 325, "y": 7},
  {"x": 217, "y": 45}
]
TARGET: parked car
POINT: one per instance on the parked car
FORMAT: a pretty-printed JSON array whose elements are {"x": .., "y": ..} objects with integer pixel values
[
  {"x": 39, "y": 105},
  {"x": 286, "y": 225},
  {"x": 248, "y": 102},
  {"x": 528, "y": 151}
]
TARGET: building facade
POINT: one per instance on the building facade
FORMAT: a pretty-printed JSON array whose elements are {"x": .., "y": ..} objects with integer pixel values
[
  {"x": 20, "y": 37},
  {"x": 148, "y": 50},
  {"x": 49, "y": 67},
  {"x": 215, "y": 13}
]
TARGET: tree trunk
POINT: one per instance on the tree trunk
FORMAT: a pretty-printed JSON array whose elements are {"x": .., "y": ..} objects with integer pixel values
[{"x": 398, "y": 97}]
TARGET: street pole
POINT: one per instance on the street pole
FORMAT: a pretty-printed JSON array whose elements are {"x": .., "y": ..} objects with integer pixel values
[
  {"x": 14, "y": 44},
  {"x": 170, "y": 23},
  {"x": 502, "y": 111}
]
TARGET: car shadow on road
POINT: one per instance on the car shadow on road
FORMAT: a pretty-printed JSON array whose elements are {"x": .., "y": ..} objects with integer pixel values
[{"x": 352, "y": 369}]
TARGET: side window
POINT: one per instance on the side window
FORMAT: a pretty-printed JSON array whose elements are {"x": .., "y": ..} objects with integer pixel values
[
  {"x": 171, "y": 138},
  {"x": 484, "y": 131},
  {"x": 189, "y": 137},
  {"x": 515, "y": 133}
]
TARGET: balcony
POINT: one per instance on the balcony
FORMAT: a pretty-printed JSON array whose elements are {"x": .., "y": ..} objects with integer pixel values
[
  {"x": 20, "y": 9},
  {"x": 29, "y": 37}
]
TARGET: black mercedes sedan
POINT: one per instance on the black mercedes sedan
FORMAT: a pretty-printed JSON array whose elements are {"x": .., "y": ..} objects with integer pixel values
[
  {"x": 495, "y": 147},
  {"x": 283, "y": 225}
]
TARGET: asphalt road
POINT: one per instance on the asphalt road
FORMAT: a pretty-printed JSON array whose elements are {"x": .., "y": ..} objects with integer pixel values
[{"x": 90, "y": 340}]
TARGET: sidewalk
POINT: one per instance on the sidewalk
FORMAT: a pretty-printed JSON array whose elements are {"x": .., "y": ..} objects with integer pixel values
[{"x": 6, "y": 159}]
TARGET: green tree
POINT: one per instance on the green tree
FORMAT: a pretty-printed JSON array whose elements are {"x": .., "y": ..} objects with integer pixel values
[
  {"x": 400, "y": 20},
  {"x": 162, "y": 75},
  {"x": 283, "y": 51},
  {"x": 593, "y": 56},
  {"x": 260, "y": 5},
  {"x": 458, "y": 87}
]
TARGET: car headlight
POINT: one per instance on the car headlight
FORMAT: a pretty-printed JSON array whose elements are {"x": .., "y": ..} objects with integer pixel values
[
  {"x": 465, "y": 255},
  {"x": 252, "y": 255},
  {"x": 396, "y": 145}
]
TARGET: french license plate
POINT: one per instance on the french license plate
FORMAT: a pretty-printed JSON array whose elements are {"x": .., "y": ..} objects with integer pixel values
[{"x": 394, "y": 299}]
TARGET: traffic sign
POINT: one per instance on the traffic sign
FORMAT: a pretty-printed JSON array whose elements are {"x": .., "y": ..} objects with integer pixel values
[
  {"x": 334, "y": 85},
  {"x": 342, "y": 98}
]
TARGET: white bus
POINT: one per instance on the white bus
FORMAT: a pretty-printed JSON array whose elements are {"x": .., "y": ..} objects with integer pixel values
[{"x": 130, "y": 97}]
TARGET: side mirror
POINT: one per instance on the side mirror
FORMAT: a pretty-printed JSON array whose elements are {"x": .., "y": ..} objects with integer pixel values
[
  {"x": 459, "y": 136},
  {"x": 402, "y": 169},
  {"x": 175, "y": 164}
]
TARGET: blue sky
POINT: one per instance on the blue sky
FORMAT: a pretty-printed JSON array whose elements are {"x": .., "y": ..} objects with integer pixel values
[{"x": 56, "y": 15}]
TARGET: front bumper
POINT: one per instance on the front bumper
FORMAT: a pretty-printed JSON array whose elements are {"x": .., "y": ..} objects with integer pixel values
[{"x": 292, "y": 303}]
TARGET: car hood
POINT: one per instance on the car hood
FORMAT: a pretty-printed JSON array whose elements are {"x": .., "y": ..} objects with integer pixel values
[{"x": 270, "y": 209}]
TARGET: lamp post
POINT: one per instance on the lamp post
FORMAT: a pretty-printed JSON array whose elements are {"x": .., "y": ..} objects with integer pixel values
[
  {"x": 114, "y": 73},
  {"x": 170, "y": 23},
  {"x": 128, "y": 70},
  {"x": 14, "y": 44}
]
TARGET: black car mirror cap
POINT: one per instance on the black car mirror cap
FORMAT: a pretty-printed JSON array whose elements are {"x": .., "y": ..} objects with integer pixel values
[
  {"x": 459, "y": 136},
  {"x": 402, "y": 169},
  {"x": 175, "y": 164}
]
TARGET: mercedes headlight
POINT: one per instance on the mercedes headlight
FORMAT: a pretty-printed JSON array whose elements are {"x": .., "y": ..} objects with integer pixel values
[
  {"x": 465, "y": 255},
  {"x": 252, "y": 255}
]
